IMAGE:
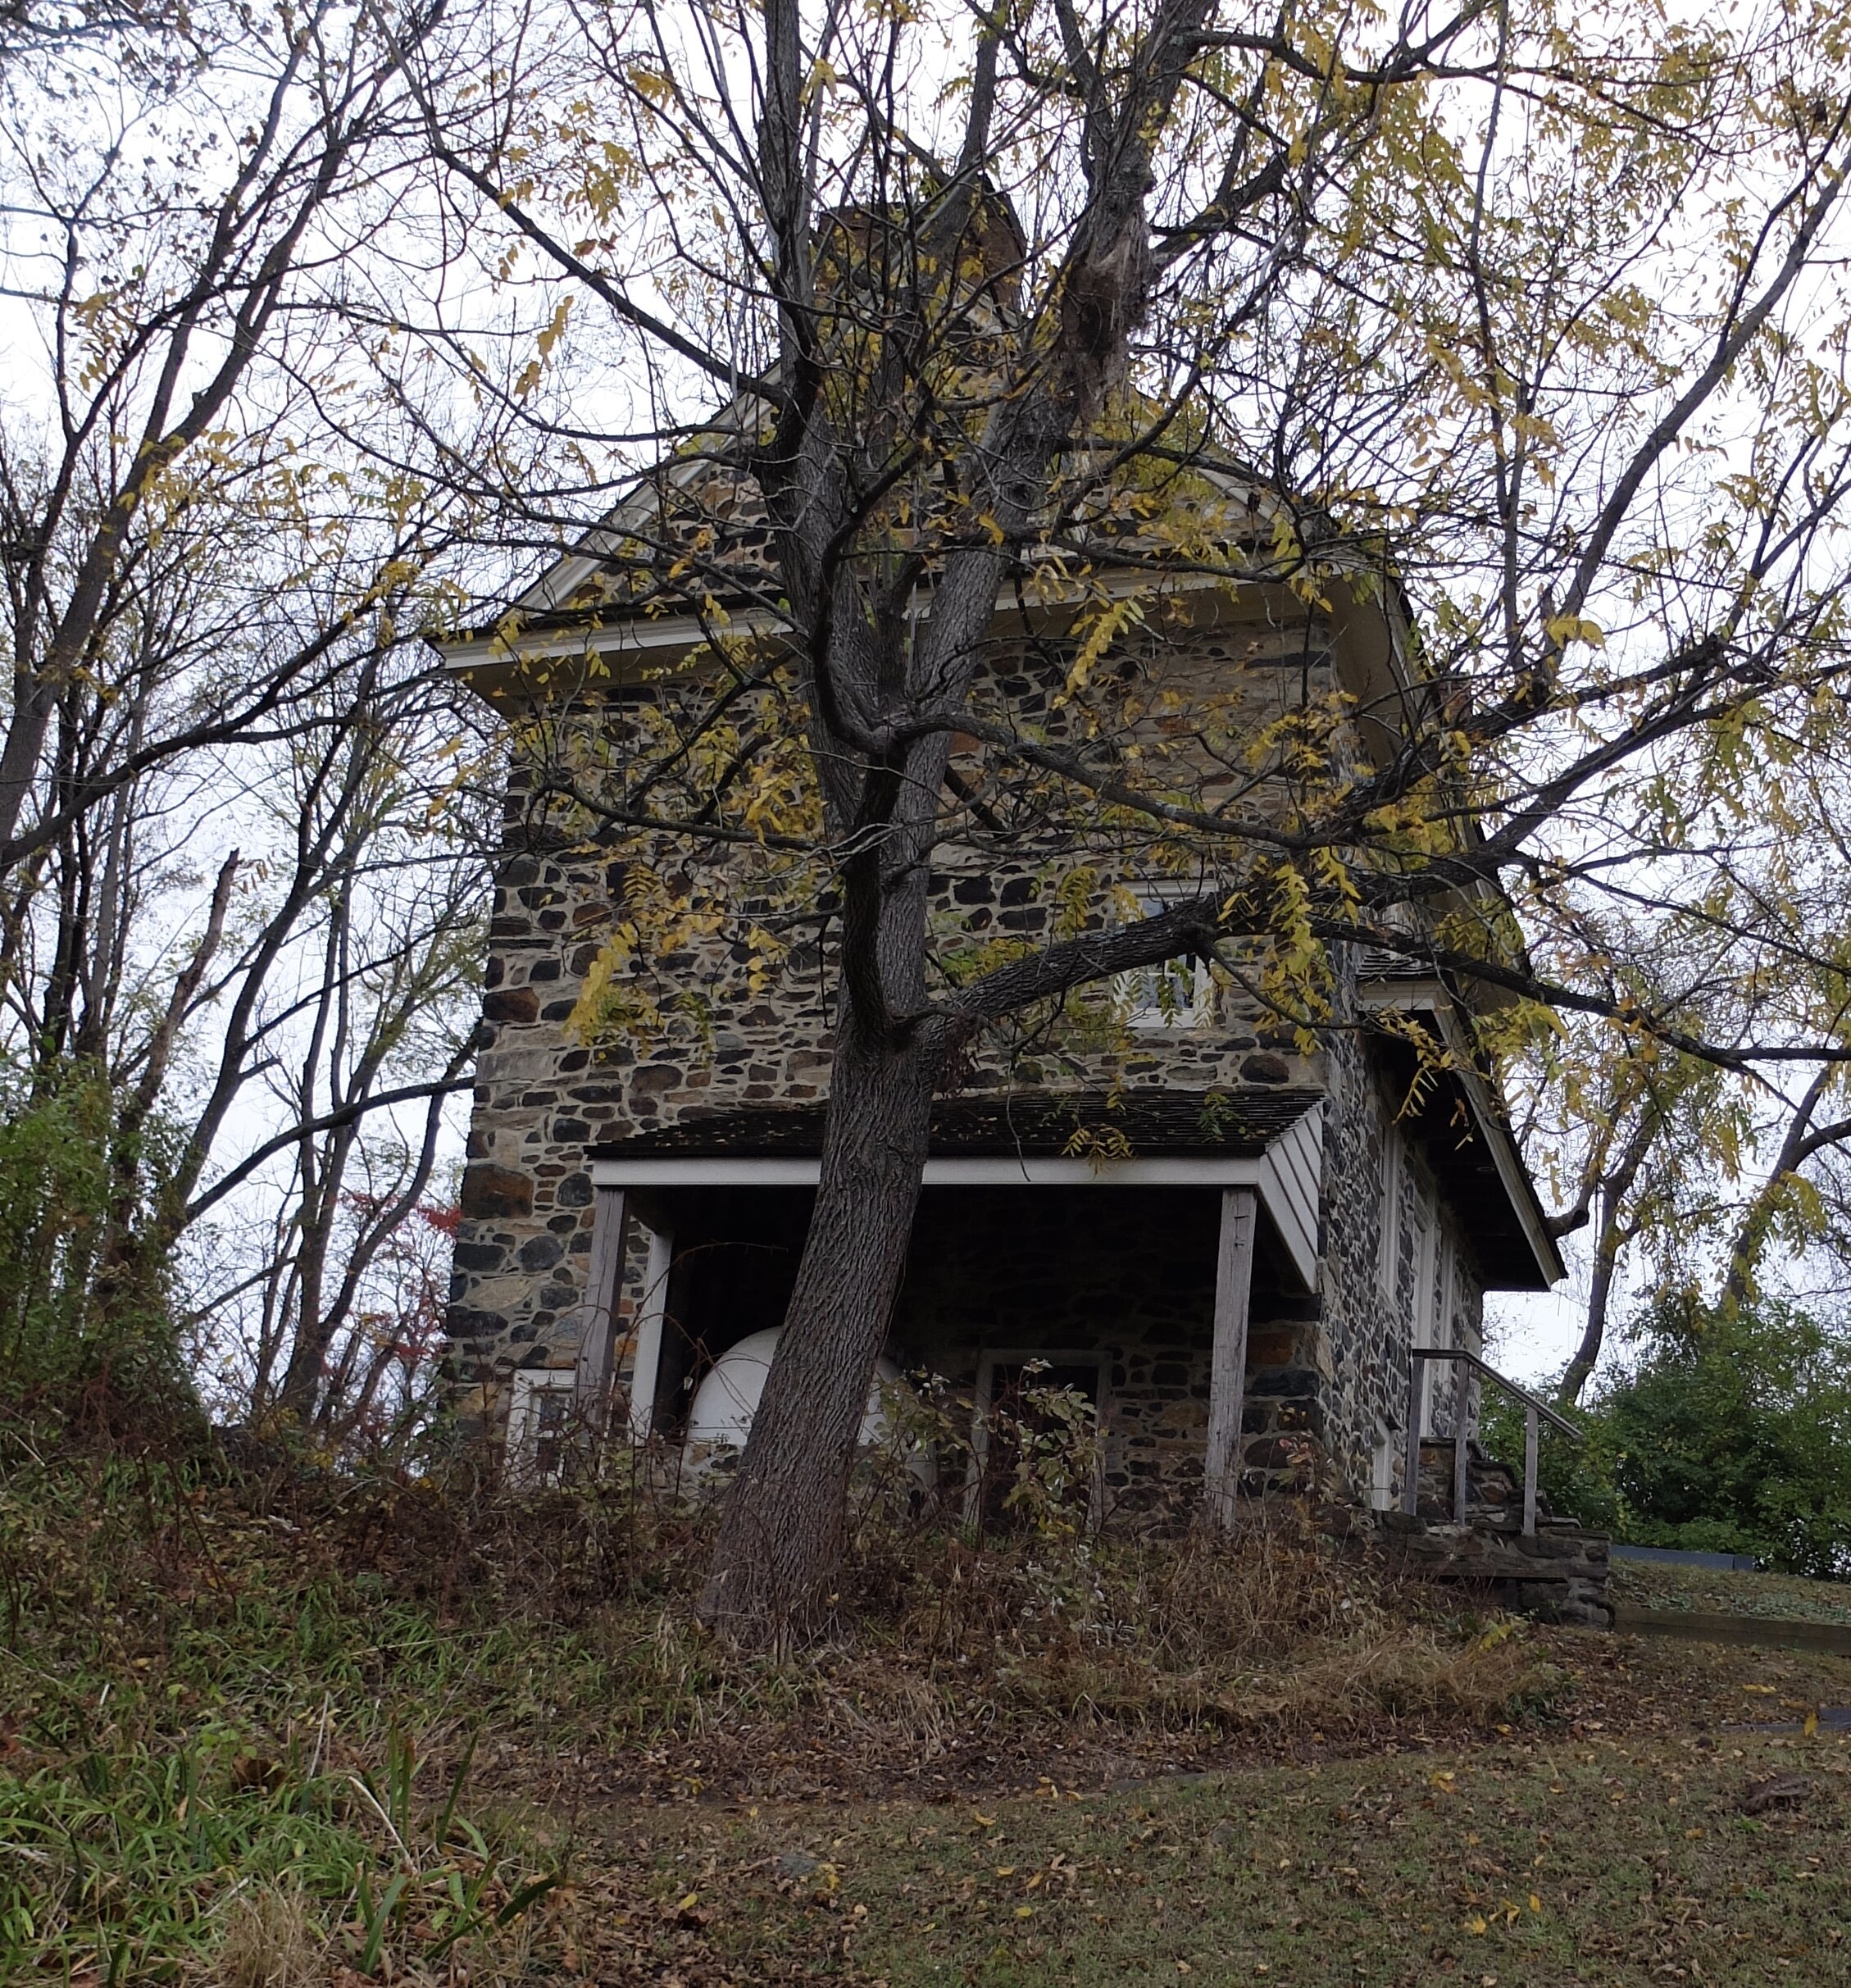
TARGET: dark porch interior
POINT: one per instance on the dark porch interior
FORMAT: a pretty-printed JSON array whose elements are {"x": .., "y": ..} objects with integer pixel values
[{"x": 999, "y": 1272}]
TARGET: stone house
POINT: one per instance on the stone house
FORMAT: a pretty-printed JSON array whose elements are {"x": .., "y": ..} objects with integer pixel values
[{"x": 1228, "y": 1244}]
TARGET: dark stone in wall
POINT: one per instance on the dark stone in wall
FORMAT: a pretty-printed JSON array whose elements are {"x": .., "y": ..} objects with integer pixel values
[
  {"x": 511, "y": 1004},
  {"x": 488, "y": 1191}
]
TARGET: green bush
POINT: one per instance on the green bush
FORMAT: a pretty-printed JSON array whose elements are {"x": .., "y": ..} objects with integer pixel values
[
  {"x": 84, "y": 1342},
  {"x": 1576, "y": 1478},
  {"x": 1733, "y": 1434},
  {"x": 1730, "y": 1433}
]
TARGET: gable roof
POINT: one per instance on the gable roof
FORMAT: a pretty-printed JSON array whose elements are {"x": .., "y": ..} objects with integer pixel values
[{"x": 1458, "y": 1118}]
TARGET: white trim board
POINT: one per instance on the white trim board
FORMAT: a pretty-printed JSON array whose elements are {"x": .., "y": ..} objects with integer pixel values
[
  {"x": 1285, "y": 1175},
  {"x": 525, "y": 1424}
]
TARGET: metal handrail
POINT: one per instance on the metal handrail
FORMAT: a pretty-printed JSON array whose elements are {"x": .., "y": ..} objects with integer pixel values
[{"x": 1536, "y": 1412}]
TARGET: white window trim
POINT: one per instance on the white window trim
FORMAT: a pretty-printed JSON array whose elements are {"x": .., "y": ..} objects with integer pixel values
[
  {"x": 529, "y": 1384},
  {"x": 1143, "y": 1010},
  {"x": 1384, "y": 1454},
  {"x": 1388, "y": 1254}
]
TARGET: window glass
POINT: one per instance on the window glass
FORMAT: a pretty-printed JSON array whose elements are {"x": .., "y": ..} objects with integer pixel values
[{"x": 1177, "y": 993}]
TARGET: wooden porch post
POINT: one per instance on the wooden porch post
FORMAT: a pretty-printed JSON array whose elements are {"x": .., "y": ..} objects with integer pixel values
[
  {"x": 649, "y": 1334},
  {"x": 610, "y": 1227},
  {"x": 1529, "y": 1435},
  {"x": 1227, "y": 1367}
]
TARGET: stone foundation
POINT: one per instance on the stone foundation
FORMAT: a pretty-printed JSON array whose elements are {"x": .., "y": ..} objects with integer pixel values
[{"x": 1558, "y": 1574}]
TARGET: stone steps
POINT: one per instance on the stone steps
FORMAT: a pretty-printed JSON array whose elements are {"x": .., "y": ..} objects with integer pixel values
[{"x": 1558, "y": 1574}]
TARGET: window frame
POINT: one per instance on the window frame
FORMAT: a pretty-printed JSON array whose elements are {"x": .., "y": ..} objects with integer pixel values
[
  {"x": 988, "y": 1359},
  {"x": 529, "y": 1385},
  {"x": 1145, "y": 1011},
  {"x": 1387, "y": 1241}
]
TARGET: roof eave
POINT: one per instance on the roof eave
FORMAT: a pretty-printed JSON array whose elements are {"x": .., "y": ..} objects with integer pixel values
[{"x": 1431, "y": 998}]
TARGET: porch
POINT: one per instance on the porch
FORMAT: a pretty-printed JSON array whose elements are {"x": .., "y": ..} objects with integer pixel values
[{"x": 1176, "y": 1289}]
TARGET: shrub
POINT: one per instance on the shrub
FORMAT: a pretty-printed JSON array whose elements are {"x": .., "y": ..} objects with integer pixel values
[
  {"x": 1730, "y": 1432},
  {"x": 86, "y": 1345},
  {"x": 1733, "y": 1434}
]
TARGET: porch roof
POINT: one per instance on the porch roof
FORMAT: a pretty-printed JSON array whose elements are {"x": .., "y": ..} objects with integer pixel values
[
  {"x": 1271, "y": 1141},
  {"x": 1082, "y": 1124}
]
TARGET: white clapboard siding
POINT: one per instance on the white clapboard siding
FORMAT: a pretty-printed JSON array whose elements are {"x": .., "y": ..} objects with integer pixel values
[{"x": 1291, "y": 1186}]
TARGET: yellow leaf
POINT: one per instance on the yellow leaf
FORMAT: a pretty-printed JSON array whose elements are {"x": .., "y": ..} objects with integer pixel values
[
  {"x": 1025, "y": 1912},
  {"x": 1110, "y": 622},
  {"x": 1811, "y": 1725},
  {"x": 687, "y": 1901},
  {"x": 1535, "y": 1903},
  {"x": 1475, "y": 1924},
  {"x": 1566, "y": 627}
]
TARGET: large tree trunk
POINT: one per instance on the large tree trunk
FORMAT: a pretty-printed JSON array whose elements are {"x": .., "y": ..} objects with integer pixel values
[
  {"x": 1617, "y": 1228},
  {"x": 1600, "y": 1295},
  {"x": 781, "y": 1538}
]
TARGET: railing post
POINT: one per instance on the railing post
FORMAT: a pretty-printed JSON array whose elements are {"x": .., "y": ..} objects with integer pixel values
[
  {"x": 1411, "y": 1487},
  {"x": 1529, "y": 1442}
]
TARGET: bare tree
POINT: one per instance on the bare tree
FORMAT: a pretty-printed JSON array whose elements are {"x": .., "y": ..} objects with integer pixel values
[{"x": 238, "y": 895}]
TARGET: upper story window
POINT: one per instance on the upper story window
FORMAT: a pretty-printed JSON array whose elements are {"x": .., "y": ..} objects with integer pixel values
[{"x": 1177, "y": 993}]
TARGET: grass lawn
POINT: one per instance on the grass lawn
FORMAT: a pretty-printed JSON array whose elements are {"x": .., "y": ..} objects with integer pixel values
[
  {"x": 242, "y": 1748},
  {"x": 1677, "y": 1823},
  {"x": 1568, "y": 1859},
  {"x": 1648, "y": 1583}
]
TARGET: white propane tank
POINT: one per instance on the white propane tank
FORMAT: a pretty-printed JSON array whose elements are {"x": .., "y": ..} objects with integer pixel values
[{"x": 727, "y": 1399}]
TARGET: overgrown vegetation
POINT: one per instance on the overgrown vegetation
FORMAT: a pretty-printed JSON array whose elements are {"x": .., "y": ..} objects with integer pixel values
[
  {"x": 259, "y": 1727},
  {"x": 87, "y": 1341}
]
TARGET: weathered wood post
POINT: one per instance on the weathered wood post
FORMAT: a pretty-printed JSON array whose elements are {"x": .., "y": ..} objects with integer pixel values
[
  {"x": 648, "y": 1359},
  {"x": 610, "y": 1228},
  {"x": 1227, "y": 1366},
  {"x": 1461, "y": 1430},
  {"x": 1530, "y": 1434}
]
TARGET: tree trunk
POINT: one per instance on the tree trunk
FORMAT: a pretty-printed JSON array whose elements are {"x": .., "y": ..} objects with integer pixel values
[
  {"x": 1594, "y": 1335},
  {"x": 1801, "y": 1141},
  {"x": 1615, "y": 1232},
  {"x": 781, "y": 1536}
]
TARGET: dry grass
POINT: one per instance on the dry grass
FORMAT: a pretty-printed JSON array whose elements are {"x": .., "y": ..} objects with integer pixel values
[
  {"x": 296, "y": 1665},
  {"x": 272, "y": 1938}
]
